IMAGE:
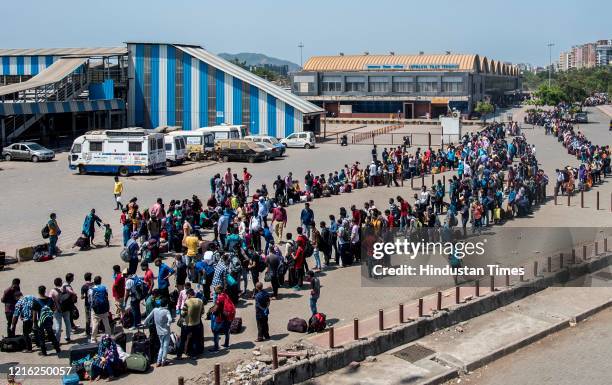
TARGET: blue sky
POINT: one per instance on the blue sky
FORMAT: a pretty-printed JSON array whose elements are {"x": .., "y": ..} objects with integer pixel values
[{"x": 509, "y": 30}]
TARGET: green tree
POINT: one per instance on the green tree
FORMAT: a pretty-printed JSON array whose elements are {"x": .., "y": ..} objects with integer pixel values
[
  {"x": 551, "y": 96},
  {"x": 484, "y": 108}
]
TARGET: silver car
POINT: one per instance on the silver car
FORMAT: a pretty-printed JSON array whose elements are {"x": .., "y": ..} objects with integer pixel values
[{"x": 27, "y": 151}]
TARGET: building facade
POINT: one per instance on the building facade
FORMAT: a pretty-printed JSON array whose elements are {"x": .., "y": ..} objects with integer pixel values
[
  {"x": 409, "y": 86},
  {"x": 187, "y": 86},
  {"x": 604, "y": 52}
]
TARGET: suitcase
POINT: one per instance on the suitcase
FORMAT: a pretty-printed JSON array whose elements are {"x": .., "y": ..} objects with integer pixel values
[
  {"x": 297, "y": 325},
  {"x": 121, "y": 340},
  {"x": 82, "y": 350},
  {"x": 236, "y": 325},
  {"x": 71, "y": 379},
  {"x": 127, "y": 320},
  {"x": 347, "y": 188},
  {"x": 13, "y": 344},
  {"x": 137, "y": 362}
]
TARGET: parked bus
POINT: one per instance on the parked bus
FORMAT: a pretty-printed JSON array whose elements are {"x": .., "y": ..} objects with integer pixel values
[
  {"x": 199, "y": 144},
  {"x": 225, "y": 131},
  {"x": 126, "y": 151}
]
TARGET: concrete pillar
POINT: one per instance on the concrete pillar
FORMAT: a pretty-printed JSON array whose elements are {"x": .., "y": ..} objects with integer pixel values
[{"x": 74, "y": 125}]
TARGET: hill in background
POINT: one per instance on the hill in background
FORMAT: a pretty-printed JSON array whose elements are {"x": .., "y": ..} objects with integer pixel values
[{"x": 259, "y": 60}]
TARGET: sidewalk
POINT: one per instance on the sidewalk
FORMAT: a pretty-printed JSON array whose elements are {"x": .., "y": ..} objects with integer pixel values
[{"x": 442, "y": 355}]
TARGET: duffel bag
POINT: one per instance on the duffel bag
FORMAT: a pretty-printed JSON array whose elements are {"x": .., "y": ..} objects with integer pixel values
[{"x": 297, "y": 325}]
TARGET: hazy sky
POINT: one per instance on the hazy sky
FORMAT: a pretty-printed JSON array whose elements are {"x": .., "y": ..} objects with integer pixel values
[{"x": 509, "y": 30}]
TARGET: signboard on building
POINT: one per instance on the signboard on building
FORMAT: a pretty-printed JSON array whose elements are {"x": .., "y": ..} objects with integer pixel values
[
  {"x": 385, "y": 67},
  {"x": 346, "y": 109},
  {"x": 434, "y": 66}
]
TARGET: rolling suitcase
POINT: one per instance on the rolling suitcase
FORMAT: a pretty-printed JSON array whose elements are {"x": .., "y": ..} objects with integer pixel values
[
  {"x": 82, "y": 350},
  {"x": 120, "y": 339},
  {"x": 141, "y": 344}
]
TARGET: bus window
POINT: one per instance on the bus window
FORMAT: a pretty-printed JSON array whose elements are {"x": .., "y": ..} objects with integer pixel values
[
  {"x": 160, "y": 143},
  {"x": 191, "y": 140},
  {"x": 76, "y": 148},
  {"x": 134, "y": 146},
  {"x": 234, "y": 135},
  {"x": 95, "y": 146},
  {"x": 169, "y": 147},
  {"x": 209, "y": 139},
  {"x": 221, "y": 135}
]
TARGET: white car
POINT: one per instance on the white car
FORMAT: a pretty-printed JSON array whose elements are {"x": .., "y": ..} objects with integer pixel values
[
  {"x": 266, "y": 139},
  {"x": 304, "y": 139}
]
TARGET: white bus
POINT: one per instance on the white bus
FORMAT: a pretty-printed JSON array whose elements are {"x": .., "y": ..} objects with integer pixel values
[
  {"x": 198, "y": 144},
  {"x": 225, "y": 131},
  {"x": 175, "y": 149},
  {"x": 126, "y": 151}
]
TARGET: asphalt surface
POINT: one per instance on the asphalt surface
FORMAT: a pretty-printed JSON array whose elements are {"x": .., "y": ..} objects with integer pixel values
[{"x": 578, "y": 355}]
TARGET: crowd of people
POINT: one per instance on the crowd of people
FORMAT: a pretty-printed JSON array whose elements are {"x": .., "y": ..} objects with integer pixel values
[
  {"x": 594, "y": 158},
  {"x": 214, "y": 248}
]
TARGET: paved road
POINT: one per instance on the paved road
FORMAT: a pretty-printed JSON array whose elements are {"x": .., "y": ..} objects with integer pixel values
[{"x": 579, "y": 355}]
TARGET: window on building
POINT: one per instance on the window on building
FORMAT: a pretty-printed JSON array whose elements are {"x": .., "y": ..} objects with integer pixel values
[
  {"x": 134, "y": 146},
  {"x": 303, "y": 84},
  {"x": 427, "y": 84},
  {"x": 355, "y": 84},
  {"x": 403, "y": 84},
  {"x": 331, "y": 84},
  {"x": 452, "y": 84},
  {"x": 95, "y": 146},
  {"x": 379, "y": 84}
]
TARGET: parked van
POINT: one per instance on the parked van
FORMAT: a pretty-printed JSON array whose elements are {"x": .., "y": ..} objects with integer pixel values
[
  {"x": 175, "y": 149},
  {"x": 126, "y": 151},
  {"x": 240, "y": 150},
  {"x": 279, "y": 147},
  {"x": 198, "y": 144},
  {"x": 304, "y": 139},
  {"x": 225, "y": 131}
]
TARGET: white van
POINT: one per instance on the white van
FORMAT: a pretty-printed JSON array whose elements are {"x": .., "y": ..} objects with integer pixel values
[
  {"x": 304, "y": 139},
  {"x": 198, "y": 144},
  {"x": 175, "y": 149},
  {"x": 225, "y": 131},
  {"x": 126, "y": 151}
]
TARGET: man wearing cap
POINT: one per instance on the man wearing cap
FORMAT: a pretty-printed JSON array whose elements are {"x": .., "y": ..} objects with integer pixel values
[{"x": 132, "y": 249}]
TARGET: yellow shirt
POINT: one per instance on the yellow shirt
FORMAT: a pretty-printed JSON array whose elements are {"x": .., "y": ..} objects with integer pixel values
[
  {"x": 118, "y": 188},
  {"x": 192, "y": 244}
]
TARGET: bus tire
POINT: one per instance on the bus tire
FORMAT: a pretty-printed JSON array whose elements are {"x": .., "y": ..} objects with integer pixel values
[
  {"x": 123, "y": 171},
  {"x": 82, "y": 170}
]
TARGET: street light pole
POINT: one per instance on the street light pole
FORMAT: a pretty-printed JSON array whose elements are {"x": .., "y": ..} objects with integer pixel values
[
  {"x": 300, "y": 46},
  {"x": 550, "y": 45}
]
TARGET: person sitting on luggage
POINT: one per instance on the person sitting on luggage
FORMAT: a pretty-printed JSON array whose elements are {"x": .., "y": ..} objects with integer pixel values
[{"x": 107, "y": 361}]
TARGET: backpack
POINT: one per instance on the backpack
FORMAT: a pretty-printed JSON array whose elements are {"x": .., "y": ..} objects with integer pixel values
[
  {"x": 235, "y": 266},
  {"x": 99, "y": 300},
  {"x": 139, "y": 289},
  {"x": 317, "y": 323},
  {"x": 45, "y": 316},
  {"x": 125, "y": 254},
  {"x": 346, "y": 235},
  {"x": 308, "y": 249},
  {"x": 229, "y": 310},
  {"x": 65, "y": 300},
  {"x": 45, "y": 232}
]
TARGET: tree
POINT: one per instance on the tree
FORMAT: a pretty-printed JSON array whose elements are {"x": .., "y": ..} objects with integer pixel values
[
  {"x": 551, "y": 96},
  {"x": 484, "y": 108}
]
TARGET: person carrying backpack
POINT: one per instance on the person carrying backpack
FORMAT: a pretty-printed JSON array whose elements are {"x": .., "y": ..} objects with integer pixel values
[
  {"x": 43, "y": 308},
  {"x": 136, "y": 290},
  {"x": 222, "y": 315},
  {"x": 98, "y": 299},
  {"x": 63, "y": 298}
]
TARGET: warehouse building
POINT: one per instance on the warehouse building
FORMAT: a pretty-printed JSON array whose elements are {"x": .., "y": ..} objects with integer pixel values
[
  {"x": 52, "y": 95},
  {"x": 408, "y": 86},
  {"x": 185, "y": 85}
]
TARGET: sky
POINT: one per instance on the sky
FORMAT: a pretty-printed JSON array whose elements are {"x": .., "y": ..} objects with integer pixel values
[{"x": 510, "y": 30}]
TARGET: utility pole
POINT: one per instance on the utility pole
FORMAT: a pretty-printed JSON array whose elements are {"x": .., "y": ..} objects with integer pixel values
[
  {"x": 550, "y": 45},
  {"x": 300, "y": 46}
]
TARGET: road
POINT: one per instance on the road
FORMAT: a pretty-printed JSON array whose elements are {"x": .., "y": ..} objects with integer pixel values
[{"x": 578, "y": 355}]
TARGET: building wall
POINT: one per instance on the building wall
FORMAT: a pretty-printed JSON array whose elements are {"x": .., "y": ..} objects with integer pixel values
[
  {"x": 25, "y": 65},
  {"x": 170, "y": 87}
]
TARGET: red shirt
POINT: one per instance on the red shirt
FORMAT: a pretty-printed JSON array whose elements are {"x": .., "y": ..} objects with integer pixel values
[
  {"x": 148, "y": 278},
  {"x": 390, "y": 220},
  {"x": 404, "y": 207},
  {"x": 299, "y": 257},
  {"x": 246, "y": 176},
  {"x": 119, "y": 287},
  {"x": 357, "y": 216}
]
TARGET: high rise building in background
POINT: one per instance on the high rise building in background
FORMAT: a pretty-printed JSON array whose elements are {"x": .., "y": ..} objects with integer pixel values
[
  {"x": 603, "y": 52},
  {"x": 587, "y": 55}
]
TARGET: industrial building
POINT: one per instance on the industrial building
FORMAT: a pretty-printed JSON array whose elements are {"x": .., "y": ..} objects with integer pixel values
[
  {"x": 54, "y": 94},
  {"x": 405, "y": 86}
]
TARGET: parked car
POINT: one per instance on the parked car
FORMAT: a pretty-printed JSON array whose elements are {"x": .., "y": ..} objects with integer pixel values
[
  {"x": 304, "y": 139},
  {"x": 581, "y": 117},
  {"x": 240, "y": 150},
  {"x": 268, "y": 140},
  {"x": 270, "y": 150},
  {"x": 27, "y": 151}
]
